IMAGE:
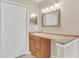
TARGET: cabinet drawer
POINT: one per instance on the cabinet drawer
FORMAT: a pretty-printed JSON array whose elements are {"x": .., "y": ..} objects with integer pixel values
[
  {"x": 37, "y": 46},
  {"x": 37, "y": 38},
  {"x": 31, "y": 37},
  {"x": 31, "y": 45},
  {"x": 37, "y": 41}
]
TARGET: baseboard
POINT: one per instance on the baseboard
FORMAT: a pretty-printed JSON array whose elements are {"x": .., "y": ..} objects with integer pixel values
[
  {"x": 20, "y": 56},
  {"x": 53, "y": 57},
  {"x": 27, "y": 53}
]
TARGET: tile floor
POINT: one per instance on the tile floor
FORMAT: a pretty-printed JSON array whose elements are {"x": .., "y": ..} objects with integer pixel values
[{"x": 27, "y": 56}]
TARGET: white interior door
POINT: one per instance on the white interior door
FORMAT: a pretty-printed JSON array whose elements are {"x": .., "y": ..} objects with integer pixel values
[{"x": 13, "y": 30}]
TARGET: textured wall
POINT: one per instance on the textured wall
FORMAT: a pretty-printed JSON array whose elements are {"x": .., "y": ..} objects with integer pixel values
[
  {"x": 69, "y": 17},
  {"x": 22, "y": 1}
]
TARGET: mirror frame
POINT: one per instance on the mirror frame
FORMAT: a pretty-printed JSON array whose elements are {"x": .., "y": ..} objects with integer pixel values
[
  {"x": 33, "y": 21},
  {"x": 57, "y": 12}
]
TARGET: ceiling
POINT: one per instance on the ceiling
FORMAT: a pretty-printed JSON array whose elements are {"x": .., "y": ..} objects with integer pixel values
[
  {"x": 27, "y": 0},
  {"x": 37, "y": 0}
]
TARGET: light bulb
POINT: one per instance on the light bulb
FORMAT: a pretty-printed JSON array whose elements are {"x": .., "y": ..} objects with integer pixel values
[
  {"x": 33, "y": 15},
  {"x": 51, "y": 7},
  {"x": 43, "y": 10},
  {"x": 56, "y": 5},
  {"x": 47, "y": 9}
]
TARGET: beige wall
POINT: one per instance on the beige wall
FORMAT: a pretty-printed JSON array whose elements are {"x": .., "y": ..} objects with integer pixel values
[
  {"x": 32, "y": 7},
  {"x": 22, "y": 1},
  {"x": 69, "y": 17}
]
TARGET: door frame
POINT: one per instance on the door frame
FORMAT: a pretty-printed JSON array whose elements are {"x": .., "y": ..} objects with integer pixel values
[{"x": 20, "y": 5}]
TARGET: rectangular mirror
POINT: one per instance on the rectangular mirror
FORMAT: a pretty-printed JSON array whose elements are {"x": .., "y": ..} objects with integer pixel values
[{"x": 51, "y": 19}]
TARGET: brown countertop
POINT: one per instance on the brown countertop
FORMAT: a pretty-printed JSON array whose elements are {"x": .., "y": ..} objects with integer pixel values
[{"x": 58, "y": 38}]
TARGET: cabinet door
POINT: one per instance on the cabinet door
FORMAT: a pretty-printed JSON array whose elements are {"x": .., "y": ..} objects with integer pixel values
[
  {"x": 37, "y": 53},
  {"x": 31, "y": 43},
  {"x": 45, "y": 47}
]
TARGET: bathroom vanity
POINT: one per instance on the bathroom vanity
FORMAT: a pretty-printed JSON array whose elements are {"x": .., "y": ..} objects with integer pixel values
[
  {"x": 40, "y": 46},
  {"x": 48, "y": 45}
]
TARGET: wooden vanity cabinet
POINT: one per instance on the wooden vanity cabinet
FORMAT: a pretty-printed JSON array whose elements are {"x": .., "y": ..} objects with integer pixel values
[
  {"x": 40, "y": 47},
  {"x": 45, "y": 47}
]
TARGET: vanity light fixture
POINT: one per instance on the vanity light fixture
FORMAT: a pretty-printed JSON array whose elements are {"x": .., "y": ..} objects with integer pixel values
[
  {"x": 44, "y": 11},
  {"x": 33, "y": 15},
  {"x": 51, "y": 8}
]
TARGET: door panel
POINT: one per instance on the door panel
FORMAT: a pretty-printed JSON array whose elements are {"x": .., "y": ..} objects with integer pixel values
[{"x": 13, "y": 30}]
